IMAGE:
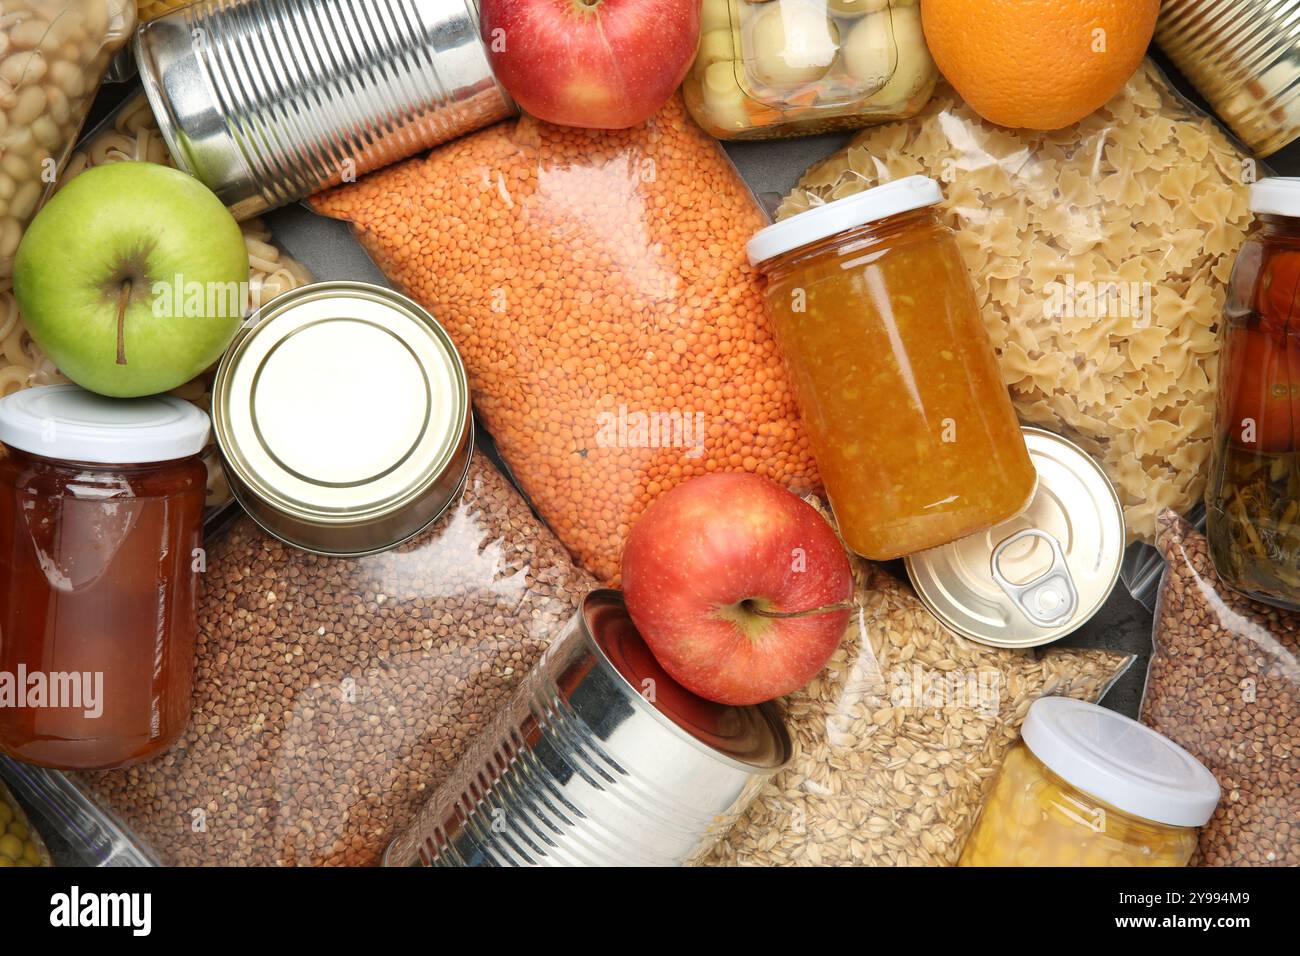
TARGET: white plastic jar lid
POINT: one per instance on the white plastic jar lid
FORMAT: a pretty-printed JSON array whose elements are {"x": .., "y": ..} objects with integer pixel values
[
  {"x": 68, "y": 423},
  {"x": 1118, "y": 760},
  {"x": 1276, "y": 196},
  {"x": 813, "y": 225}
]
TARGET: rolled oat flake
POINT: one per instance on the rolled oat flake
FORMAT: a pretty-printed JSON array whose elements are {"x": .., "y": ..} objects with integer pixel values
[
  {"x": 342, "y": 413},
  {"x": 1042, "y": 574}
]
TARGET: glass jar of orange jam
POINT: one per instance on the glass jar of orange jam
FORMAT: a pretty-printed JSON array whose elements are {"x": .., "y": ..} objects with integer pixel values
[
  {"x": 101, "y": 519},
  {"x": 896, "y": 378}
]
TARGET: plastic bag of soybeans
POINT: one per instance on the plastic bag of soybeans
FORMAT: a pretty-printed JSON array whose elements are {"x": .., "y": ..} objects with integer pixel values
[{"x": 596, "y": 285}]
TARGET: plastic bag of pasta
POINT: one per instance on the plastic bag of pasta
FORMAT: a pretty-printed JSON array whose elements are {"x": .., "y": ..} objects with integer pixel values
[
  {"x": 596, "y": 285},
  {"x": 1101, "y": 254}
]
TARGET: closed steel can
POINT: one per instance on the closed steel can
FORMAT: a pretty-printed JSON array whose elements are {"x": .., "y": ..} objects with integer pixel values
[
  {"x": 600, "y": 759},
  {"x": 342, "y": 414},
  {"x": 1244, "y": 57},
  {"x": 267, "y": 101}
]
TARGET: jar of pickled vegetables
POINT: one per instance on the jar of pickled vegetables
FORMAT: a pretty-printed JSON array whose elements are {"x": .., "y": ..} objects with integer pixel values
[
  {"x": 1089, "y": 787},
  {"x": 1253, "y": 501},
  {"x": 101, "y": 514},
  {"x": 895, "y": 375},
  {"x": 795, "y": 67}
]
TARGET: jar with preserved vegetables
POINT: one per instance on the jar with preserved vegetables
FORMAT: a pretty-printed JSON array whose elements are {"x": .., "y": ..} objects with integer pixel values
[
  {"x": 101, "y": 512},
  {"x": 772, "y": 68},
  {"x": 1253, "y": 501},
  {"x": 893, "y": 369},
  {"x": 1087, "y": 786}
]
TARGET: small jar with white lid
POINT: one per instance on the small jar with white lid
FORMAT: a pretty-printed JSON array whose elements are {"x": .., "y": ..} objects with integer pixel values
[
  {"x": 101, "y": 522},
  {"x": 1087, "y": 786}
]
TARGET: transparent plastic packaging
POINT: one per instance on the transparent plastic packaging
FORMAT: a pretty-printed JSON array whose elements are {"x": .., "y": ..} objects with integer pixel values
[
  {"x": 1224, "y": 683},
  {"x": 53, "y": 55},
  {"x": 1101, "y": 255},
  {"x": 597, "y": 288},
  {"x": 80, "y": 832},
  {"x": 897, "y": 741},
  {"x": 20, "y": 844},
  {"x": 797, "y": 67},
  {"x": 1253, "y": 500},
  {"x": 333, "y": 695}
]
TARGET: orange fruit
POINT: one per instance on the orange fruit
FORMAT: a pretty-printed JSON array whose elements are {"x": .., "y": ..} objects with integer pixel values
[{"x": 1038, "y": 64}]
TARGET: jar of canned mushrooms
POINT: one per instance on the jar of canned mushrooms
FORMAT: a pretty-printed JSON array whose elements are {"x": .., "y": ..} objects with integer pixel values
[{"x": 794, "y": 67}]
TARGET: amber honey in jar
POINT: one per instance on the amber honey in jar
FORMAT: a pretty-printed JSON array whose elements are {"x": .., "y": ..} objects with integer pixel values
[
  {"x": 101, "y": 519},
  {"x": 896, "y": 378},
  {"x": 1253, "y": 500},
  {"x": 1089, "y": 787}
]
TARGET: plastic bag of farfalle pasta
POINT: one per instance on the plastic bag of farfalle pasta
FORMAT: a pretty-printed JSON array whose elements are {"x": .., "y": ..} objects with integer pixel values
[
  {"x": 1100, "y": 254},
  {"x": 131, "y": 133}
]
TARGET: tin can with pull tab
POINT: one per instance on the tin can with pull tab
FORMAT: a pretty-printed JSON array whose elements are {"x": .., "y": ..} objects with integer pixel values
[{"x": 1041, "y": 575}]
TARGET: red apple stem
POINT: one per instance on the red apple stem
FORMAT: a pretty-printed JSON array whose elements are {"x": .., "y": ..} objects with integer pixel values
[
  {"x": 123, "y": 297},
  {"x": 824, "y": 609}
]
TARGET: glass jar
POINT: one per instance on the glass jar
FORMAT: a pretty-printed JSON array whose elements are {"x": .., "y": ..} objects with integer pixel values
[
  {"x": 796, "y": 67},
  {"x": 1253, "y": 500},
  {"x": 899, "y": 387},
  {"x": 1087, "y": 786},
  {"x": 101, "y": 518}
]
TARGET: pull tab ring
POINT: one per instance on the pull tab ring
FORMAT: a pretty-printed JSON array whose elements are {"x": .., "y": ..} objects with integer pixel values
[{"x": 1047, "y": 600}]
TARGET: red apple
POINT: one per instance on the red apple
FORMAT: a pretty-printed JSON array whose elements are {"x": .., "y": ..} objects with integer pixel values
[
  {"x": 708, "y": 563},
  {"x": 604, "y": 64}
]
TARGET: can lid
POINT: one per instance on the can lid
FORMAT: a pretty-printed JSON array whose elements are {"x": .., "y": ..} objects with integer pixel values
[
  {"x": 1120, "y": 761},
  {"x": 339, "y": 403},
  {"x": 68, "y": 423},
  {"x": 1276, "y": 195},
  {"x": 1040, "y": 575},
  {"x": 813, "y": 225},
  {"x": 753, "y": 736}
]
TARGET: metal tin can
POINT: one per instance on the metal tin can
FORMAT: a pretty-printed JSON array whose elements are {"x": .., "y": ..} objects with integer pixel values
[
  {"x": 600, "y": 759},
  {"x": 1244, "y": 57},
  {"x": 1044, "y": 573},
  {"x": 267, "y": 101},
  {"x": 343, "y": 417}
]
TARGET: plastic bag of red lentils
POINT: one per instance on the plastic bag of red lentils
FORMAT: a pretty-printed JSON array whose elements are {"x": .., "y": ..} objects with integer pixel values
[{"x": 597, "y": 287}]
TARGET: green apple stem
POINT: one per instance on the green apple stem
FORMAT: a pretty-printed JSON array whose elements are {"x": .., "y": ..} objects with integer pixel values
[
  {"x": 753, "y": 608},
  {"x": 123, "y": 297}
]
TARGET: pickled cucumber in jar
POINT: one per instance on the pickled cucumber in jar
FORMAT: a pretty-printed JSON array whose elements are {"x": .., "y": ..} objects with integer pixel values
[
  {"x": 777, "y": 68},
  {"x": 20, "y": 844}
]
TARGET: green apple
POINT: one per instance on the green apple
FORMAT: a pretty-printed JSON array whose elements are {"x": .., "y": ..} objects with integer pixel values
[{"x": 133, "y": 279}]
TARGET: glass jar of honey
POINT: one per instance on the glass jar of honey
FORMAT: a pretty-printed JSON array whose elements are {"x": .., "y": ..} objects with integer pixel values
[
  {"x": 1089, "y": 787},
  {"x": 1252, "y": 518},
  {"x": 896, "y": 378},
  {"x": 101, "y": 520}
]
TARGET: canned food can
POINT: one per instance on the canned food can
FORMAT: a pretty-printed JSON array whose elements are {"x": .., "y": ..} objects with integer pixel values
[
  {"x": 268, "y": 101},
  {"x": 342, "y": 413},
  {"x": 1244, "y": 57},
  {"x": 1041, "y": 575},
  {"x": 599, "y": 759}
]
